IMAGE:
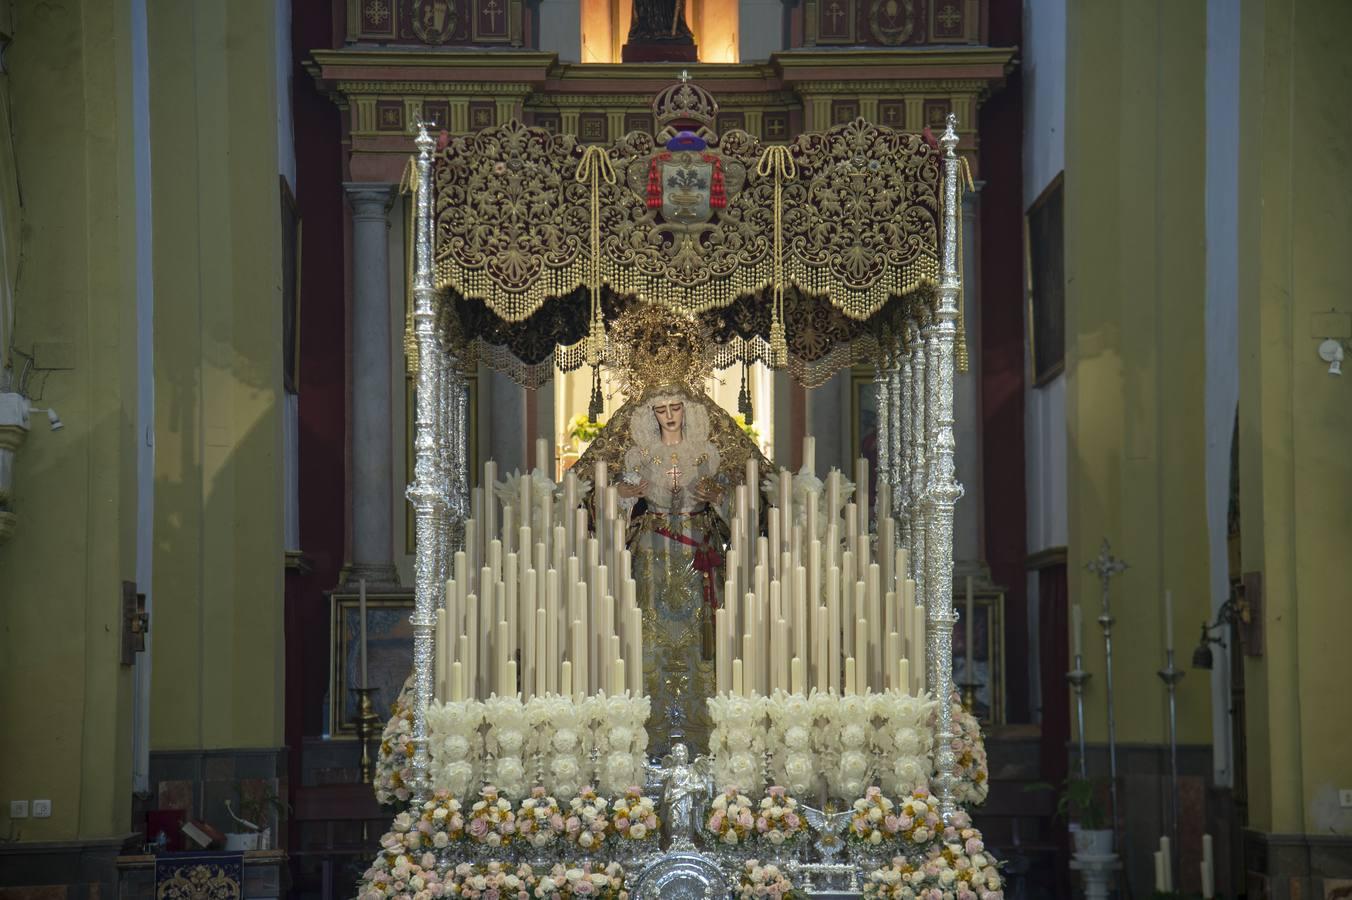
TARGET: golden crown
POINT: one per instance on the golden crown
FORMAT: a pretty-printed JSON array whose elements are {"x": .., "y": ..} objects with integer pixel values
[
  {"x": 683, "y": 104},
  {"x": 655, "y": 348}
]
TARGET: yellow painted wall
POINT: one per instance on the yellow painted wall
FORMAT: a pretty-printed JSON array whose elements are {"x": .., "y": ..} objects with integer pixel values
[
  {"x": 217, "y": 626},
  {"x": 1135, "y": 264},
  {"x": 1295, "y": 419},
  {"x": 64, "y": 697},
  {"x": 218, "y": 362}
]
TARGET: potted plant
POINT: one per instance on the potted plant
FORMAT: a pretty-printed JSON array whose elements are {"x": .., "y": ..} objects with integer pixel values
[
  {"x": 258, "y": 810},
  {"x": 1079, "y": 802}
]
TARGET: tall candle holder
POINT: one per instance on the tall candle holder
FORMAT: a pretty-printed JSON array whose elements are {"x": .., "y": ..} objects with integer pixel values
[
  {"x": 1078, "y": 677},
  {"x": 367, "y": 723},
  {"x": 1105, "y": 566},
  {"x": 1171, "y": 676}
]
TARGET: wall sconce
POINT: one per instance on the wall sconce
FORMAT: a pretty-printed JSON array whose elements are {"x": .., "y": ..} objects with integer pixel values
[
  {"x": 1331, "y": 352},
  {"x": 14, "y": 428}
]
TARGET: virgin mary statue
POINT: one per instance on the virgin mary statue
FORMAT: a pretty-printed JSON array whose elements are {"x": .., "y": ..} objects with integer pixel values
[{"x": 675, "y": 457}]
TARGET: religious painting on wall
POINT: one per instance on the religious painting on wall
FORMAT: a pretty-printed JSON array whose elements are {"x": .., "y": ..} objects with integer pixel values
[
  {"x": 1044, "y": 261},
  {"x": 987, "y": 671},
  {"x": 389, "y": 655},
  {"x": 864, "y": 427}
]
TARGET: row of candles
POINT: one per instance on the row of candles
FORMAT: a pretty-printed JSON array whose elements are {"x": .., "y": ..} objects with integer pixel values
[
  {"x": 535, "y": 584},
  {"x": 542, "y": 599},
  {"x": 812, "y": 604},
  {"x": 1164, "y": 875}
]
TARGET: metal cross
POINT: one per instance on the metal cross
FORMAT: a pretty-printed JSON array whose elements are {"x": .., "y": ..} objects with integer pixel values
[
  {"x": 1105, "y": 566},
  {"x": 675, "y": 473}
]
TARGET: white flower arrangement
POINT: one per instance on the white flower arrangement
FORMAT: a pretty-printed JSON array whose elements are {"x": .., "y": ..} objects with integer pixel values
[
  {"x": 394, "y": 761},
  {"x": 491, "y": 881},
  {"x": 618, "y": 733},
  {"x": 954, "y": 866},
  {"x": 732, "y": 820},
  {"x": 506, "y": 742},
  {"x": 564, "y": 760},
  {"x": 918, "y": 821},
  {"x": 491, "y": 821},
  {"x": 794, "y": 764},
  {"x": 902, "y": 740},
  {"x": 539, "y": 821},
  {"x": 848, "y": 727},
  {"x": 633, "y": 817},
  {"x": 587, "y": 825},
  {"x": 401, "y": 875},
  {"x": 758, "y": 881},
  {"x": 509, "y": 492},
  {"x": 779, "y": 822},
  {"x": 738, "y": 740},
  {"x": 455, "y": 746}
]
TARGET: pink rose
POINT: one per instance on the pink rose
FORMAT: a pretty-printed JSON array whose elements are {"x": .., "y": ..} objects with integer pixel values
[
  {"x": 573, "y": 825},
  {"x": 744, "y": 819},
  {"x": 622, "y": 823},
  {"x": 777, "y": 791},
  {"x": 904, "y": 822},
  {"x": 507, "y": 828},
  {"x": 478, "y": 827},
  {"x": 762, "y": 825},
  {"x": 650, "y": 822},
  {"x": 716, "y": 821},
  {"x": 974, "y": 845},
  {"x": 891, "y": 824},
  {"x": 556, "y": 822},
  {"x": 598, "y": 825}
]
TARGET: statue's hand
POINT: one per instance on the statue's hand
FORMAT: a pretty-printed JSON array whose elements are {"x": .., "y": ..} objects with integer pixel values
[{"x": 631, "y": 491}]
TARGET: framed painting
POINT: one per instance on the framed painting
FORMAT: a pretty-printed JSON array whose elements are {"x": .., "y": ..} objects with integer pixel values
[
  {"x": 864, "y": 425},
  {"x": 389, "y": 654},
  {"x": 988, "y": 649},
  {"x": 1044, "y": 262}
]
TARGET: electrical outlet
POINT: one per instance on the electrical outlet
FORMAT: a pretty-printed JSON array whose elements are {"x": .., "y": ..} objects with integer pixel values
[
  {"x": 42, "y": 809},
  {"x": 18, "y": 809},
  {"x": 1345, "y": 798}
]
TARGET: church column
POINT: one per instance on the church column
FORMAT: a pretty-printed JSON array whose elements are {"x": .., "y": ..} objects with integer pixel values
[{"x": 372, "y": 555}]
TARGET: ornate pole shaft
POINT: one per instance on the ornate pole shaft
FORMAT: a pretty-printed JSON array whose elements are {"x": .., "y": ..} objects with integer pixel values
[
  {"x": 919, "y": 418},
  {"x": 428, "y": 491},
  {"x": 906, "y": 502},
  {"x": 944, "y": 489},
  {"x": 896, "y": 477},
  {"x": 882, "y": 388}
]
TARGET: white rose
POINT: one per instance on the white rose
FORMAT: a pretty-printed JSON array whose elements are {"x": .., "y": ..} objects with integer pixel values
[
  {"x": 456, "y": 746},
  {"x": 947, "y": 876},
  {"x": 875, "y": 814},
  {"x": 796, "y": 737},
  {"x": 875, "y": 837},
  {"x": 638, "y": 831},
  {"x": 564, "y": 740},
  {"x": 775, "y": 837},
  {"x": 729, "y": 837}
]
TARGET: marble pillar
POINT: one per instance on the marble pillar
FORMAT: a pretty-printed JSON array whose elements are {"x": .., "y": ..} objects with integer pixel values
[{"x": 372, "y": 553}]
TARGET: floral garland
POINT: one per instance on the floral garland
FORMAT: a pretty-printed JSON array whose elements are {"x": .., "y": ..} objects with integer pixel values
[
  {"x": 491, "y": 820},
  {"x": 455, "y": 747},
  {"x": 492, "y": 881},
  {"x": 587, "y": 825},
  {"x": 955, "y": 868},
  {"x": 738, "y": 739},
  {"x": 604, "y": 884},
  {"x": 394, "y": 762},
  {"x": 401, "y": 875},
  {"x": 539, "y": 821},
  {"x": 633, "y": 817},
  {"x": 617, "y": 725},
  {"x": 970, "y": 749},
  {"x": 778, "y": 822},
  {"x": 505, "y": 742},
  {"x": 758, "y": 881},
  {"x": 732, "y": 820}
]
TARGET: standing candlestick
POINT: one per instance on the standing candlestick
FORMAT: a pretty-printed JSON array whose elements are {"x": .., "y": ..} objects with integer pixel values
[
  {"x": 1077, "y": 677},
  {"x": 1171, "y": 676},
  {"x": 361, "y": 616},
  {"x": 1105, "y": 566}
]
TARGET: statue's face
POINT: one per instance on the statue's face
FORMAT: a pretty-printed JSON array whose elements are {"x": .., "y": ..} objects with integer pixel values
[{"x": 670, "y": 416}]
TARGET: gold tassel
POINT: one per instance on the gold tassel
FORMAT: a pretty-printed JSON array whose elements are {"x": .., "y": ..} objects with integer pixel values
[{"x": 962, "y": 361}]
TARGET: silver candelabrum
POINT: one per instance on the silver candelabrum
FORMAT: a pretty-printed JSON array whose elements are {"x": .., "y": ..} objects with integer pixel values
[
  {"x": 1105, "y": 566},
  {"x": 1171, "y": 676}
]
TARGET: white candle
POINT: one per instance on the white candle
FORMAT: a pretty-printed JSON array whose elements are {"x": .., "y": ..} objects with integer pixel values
[
  {"x": 1208, "y": 869},
  {"x": 439, "y": 657},
  {"x": 796, "y": 675},
  {"x": 861, "y": 493},
  {"x": 1075, "y": 628},
  {"x": 862, "y": 654},
  {"x": 833, "y": 630},
  {"x": 1168, "y": 861},
  {"x": 543, "y": 458},
  {"x": 617, "y": 677},
  {"x": 457, "y": 681},
  {"x": 721, "y": 658},
  {"x": 1159, "y": 872},
  {"x": 566, "y": 679},
  {"x": 1168, "y": 620},
  {"x": 849, "y": 676},
  {"x": 810, "y": 454},
  {"x": 361, "y": 617},
  {"x": 970, "y": 672},
  {"x": 738, "y": 688},
  {"x": 904, "y": 676}
]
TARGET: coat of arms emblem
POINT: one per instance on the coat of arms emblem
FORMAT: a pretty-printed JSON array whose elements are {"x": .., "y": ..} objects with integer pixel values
[
  {"x": 686, "y": 181},
  {"x": 433, "y": 21}
]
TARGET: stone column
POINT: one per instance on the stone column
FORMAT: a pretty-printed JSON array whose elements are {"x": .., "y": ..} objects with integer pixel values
[{"x": 372, "y": 555}]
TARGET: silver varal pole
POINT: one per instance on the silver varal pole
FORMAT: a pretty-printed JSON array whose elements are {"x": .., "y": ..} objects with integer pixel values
[
  {"x": 1077, "y": 677},
  {"x": 429, "y": 489},
  {"x": 1105, "y": 566},
  {"x": 943, "y": 489}
]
